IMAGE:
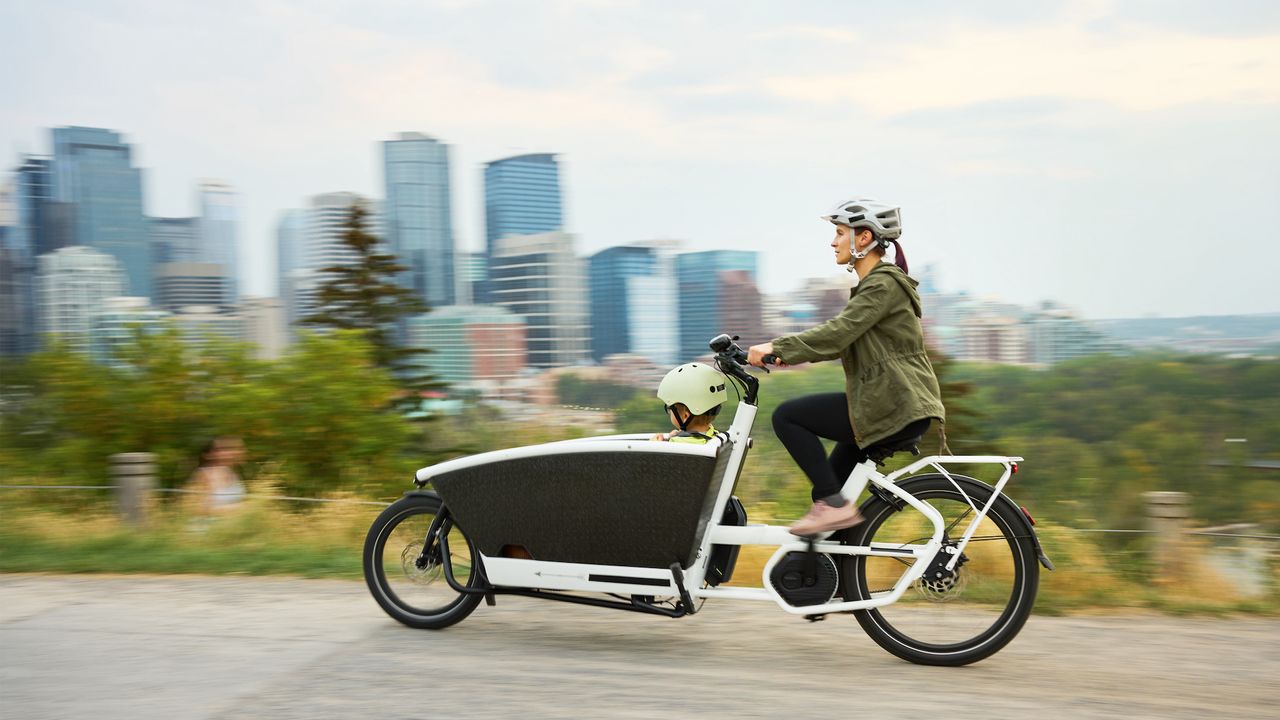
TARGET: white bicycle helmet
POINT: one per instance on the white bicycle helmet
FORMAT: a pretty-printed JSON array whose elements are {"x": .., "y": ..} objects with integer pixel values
[
  {"x": 882, "y": 219},
  {"x": 697, "y": 386}
]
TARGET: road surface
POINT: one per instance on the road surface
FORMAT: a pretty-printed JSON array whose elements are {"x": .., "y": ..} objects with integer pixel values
[{"x": 200, "y": 647}]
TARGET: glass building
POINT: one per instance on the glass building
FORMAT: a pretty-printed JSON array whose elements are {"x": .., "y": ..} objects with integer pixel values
[
  {"x": 173, "y": 239},
  {"x": 73, "y": 284},
  {"x": 633, "y": 304},
  {"x": 714, "y": 289},
  {"x": 94, "y": 178},
  {"x": 521, "y": 197},
  {"x": 471, "y": 345},
  {"x": 219, "y": 233},
  {"x": 539, "y": 278},
  {"x": 419, "y": 219},
  {"x": 26, "y": 230}
]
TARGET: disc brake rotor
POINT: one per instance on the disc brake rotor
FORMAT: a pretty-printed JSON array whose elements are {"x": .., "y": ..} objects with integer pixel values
[{"x": 409, "y": 563}]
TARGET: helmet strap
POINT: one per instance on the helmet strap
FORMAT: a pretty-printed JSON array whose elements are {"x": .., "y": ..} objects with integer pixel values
[{"x": 682, "y": 422}]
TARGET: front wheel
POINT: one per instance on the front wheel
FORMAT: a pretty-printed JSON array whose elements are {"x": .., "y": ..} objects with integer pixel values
[
  {"x": 410, "y": 584},
  {"x": 946, "y": 618}
]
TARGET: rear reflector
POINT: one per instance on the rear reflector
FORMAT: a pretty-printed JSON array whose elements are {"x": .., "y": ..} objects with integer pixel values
[{"x": 1028, "y": 514}]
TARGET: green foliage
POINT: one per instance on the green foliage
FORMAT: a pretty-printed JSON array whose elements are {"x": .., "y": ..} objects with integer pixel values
[
  {"x": 364, "y": 295},
  {"x": 320, "y": 413},
  {"x": 572, "y": 389}
]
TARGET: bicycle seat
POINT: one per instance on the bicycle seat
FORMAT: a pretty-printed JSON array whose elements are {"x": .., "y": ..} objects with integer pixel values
[{"x": 883, "y": 451}]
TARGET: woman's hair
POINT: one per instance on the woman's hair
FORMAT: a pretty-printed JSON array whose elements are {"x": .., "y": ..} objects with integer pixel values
[
  {"x": 208, "y": 448},
  {"x": 898, "y": 258}
]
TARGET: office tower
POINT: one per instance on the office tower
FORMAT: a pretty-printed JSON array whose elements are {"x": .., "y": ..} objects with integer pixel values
[
  {"x": 72, "y": 284},
  {"x": 319, "y": 245},
  {"x": 219, "y": 233},
  {"x": 541, "y": 279},
  {"x": 25, "y": 228},
  {"x": 114, "y": 325},
  {"x": 633, "y": 304},
  {"x": 521, "y": 197},
  {"x": 472, "y": 268},
  {"x": 174, "y": 239},
  {"x": 473, "y": 347},
  {"x": 718, "y": 294},
  {"x": 183, "y": 284},
  {"x": 97, "y": 185},
  {"x": 290, "y": 231},
  {"x": 263, "y": 325},
  {"x": 419, "y": 220}
]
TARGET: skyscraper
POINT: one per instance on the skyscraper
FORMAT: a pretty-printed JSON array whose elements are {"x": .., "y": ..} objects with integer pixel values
[
  {"x": 311, "y": 240},
  {"x": 219, "y": 233},
  {"x": 73, "y": 285},
  {"x": 715, "y": 296},
  {"x": 95, "y": 179},
  {"x": 174, "y": 239},
  {"x": 633, "y": 304},
  {"x": 540, "y": 278},
  {"x": 521, "y": 197},
  {"x": 419, "y": 219}
]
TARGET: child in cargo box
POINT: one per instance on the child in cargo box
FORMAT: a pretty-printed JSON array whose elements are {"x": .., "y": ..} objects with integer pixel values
[{"x": 692, "y": 395}]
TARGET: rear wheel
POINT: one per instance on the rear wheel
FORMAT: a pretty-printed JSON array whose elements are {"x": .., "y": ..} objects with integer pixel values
[
  {"x": 946, "y": 617},
  {"x": 410, "y": 585}
]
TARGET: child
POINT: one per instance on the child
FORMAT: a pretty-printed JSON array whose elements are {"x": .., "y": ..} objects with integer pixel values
[{"x": 692, "y": 395}]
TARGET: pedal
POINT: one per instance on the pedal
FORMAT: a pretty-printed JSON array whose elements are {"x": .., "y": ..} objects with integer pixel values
[{"x": 816, "y": 618}]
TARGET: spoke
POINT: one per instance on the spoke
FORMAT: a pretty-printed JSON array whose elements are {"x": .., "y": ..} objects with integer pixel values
[{"x": 965, "y": 514}]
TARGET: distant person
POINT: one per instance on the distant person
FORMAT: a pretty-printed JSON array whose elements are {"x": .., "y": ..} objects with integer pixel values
[
  {"x": 692, "y": 395},
  {"x": 891, "y": 393},
  {"x": 216, "y": 487}
]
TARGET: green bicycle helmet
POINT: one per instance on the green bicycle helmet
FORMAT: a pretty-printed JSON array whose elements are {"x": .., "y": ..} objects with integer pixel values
[{"x": 698, "y": 387}]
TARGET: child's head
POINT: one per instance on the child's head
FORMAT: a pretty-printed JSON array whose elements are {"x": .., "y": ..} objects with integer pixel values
[{"x": 692, "y": 395}]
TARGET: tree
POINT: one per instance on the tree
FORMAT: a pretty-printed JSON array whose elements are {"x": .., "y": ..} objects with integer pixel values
[{"x": 363, "y": 295}]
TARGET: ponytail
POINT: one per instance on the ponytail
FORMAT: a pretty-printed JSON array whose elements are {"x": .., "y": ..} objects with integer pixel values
[{"x": 898, "y": 258}]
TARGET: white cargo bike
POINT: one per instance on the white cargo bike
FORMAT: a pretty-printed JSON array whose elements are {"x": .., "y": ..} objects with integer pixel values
[{"x": 943, "y": 571}]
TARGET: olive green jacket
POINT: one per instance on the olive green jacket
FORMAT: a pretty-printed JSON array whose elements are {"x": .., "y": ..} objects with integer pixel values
[{"x": 887, "y": 374}]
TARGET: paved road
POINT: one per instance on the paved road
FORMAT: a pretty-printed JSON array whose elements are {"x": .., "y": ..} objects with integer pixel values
[{"x": 178, "y": 647}]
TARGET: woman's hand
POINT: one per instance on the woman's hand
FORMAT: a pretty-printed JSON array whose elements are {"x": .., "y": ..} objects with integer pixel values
[{"x": 756, "y": 353}]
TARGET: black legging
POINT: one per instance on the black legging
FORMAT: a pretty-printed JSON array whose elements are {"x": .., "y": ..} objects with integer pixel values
[{"x": 800, "y": 422}]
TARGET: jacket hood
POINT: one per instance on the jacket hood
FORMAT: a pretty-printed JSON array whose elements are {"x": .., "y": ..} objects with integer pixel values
[{"x": 907, "y": 282}]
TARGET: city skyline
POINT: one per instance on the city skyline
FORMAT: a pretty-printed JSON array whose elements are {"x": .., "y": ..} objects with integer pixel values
[{"x": 1068, "y": 173}]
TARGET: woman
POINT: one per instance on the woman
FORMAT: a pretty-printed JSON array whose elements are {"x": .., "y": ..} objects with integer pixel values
[
  {"x": 890, "y": 391},
  {"x": 215, "y": 485}
]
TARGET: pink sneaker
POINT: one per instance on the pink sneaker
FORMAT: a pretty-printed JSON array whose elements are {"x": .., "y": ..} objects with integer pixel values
[{"x": 824, "y": 518}]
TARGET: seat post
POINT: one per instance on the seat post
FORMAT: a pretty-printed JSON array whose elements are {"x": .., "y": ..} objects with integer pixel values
[{"x": 858, "y": 479}]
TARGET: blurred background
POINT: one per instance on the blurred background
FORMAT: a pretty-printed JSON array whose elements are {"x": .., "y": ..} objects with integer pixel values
[{"x": 283, "y": 254}]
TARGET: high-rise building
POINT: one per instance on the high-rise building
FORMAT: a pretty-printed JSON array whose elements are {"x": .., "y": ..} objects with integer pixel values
[
  {"x": 541, "y": 279},
  {"x": 419, "y": 219},
  {"x": 26, "y": 227},
  {"x": 633, "y": 304},
  {"x": 473, "y": 347},
  {"x": 472, "y": 269},
  {"x": 322, "y": 246},
  {"x": 263, "y": 325},
  {"x": 73, "y": 283},
  {"x": 521, "y": 197},
  {"x": 219, "y": 233},
  {"x": 116, "y": 322},
  {"x": 1055, "y": 334},
  {"x": 290, "y": 231},
  {"x": 717, "y": 291},
  {"x": 181, "y": 284},
  {"x": 95, "y": 179},
  {"x": 174, "y": 239}
]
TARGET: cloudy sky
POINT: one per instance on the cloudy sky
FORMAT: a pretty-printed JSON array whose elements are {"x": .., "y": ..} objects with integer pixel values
[{"x": 1120, "y": 157}]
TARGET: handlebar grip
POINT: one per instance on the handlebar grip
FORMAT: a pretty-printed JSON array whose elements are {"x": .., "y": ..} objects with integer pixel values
[{"x": 770, "y": 359}]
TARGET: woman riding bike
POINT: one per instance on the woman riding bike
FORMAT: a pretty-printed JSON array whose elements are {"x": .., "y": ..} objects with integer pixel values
[{"x": 891, "y": 392}]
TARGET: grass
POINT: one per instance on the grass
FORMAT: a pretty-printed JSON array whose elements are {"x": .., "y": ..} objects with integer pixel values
[{"x": 270, "y": 537}]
